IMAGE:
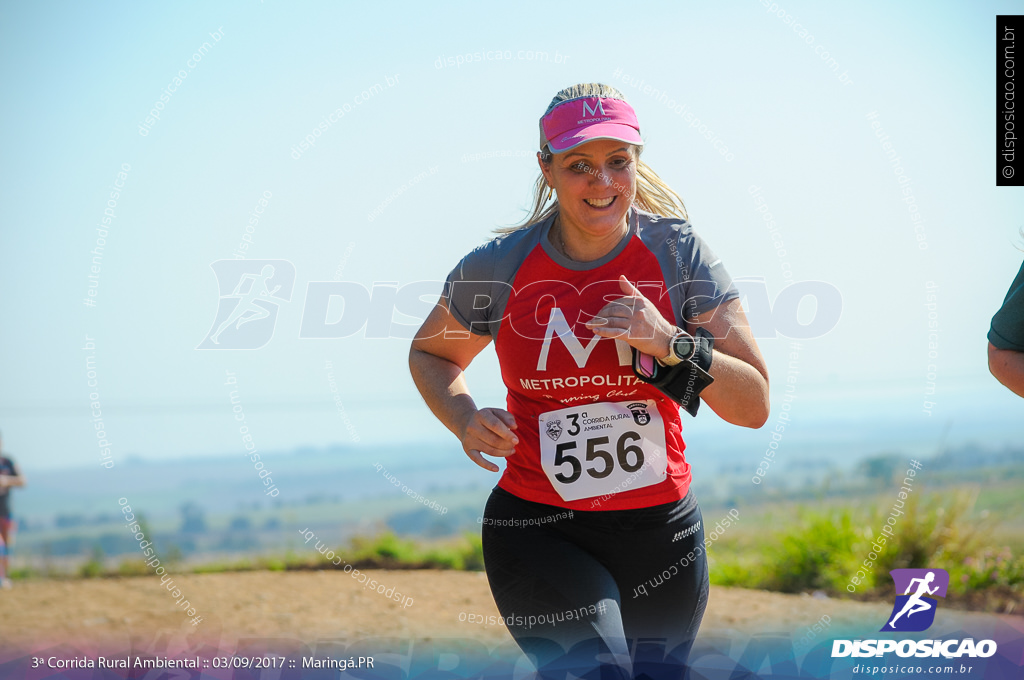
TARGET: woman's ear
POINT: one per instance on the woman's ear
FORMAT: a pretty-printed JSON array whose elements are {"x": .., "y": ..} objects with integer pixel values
[{"x": 545, "y": 168}]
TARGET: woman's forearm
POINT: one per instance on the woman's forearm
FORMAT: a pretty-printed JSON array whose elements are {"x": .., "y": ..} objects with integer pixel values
[
  {"x": 739, "y": 394},
  {"x": 443, "y": 387}
]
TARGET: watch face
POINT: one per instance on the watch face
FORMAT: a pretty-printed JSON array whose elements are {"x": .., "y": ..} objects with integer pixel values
[{"x": 683, "y": 347}]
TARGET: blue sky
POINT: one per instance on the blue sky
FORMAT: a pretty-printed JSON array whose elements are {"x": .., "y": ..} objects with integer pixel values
[{"x": 79, "y": 80}]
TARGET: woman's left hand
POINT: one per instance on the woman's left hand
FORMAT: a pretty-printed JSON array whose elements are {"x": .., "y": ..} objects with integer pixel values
[{"x": 636, "y": 320}]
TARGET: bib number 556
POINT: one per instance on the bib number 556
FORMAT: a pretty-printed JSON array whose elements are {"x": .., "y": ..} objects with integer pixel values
[{"x": 629, "y": 456}]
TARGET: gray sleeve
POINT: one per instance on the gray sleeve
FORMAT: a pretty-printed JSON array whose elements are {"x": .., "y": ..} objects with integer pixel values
[
  {"x": 468, "y": 290},
  {"x": 706, "y": 283}
]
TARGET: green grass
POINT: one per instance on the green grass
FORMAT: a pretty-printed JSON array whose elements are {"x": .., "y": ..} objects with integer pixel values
[
  {"x": 972, "y": 531},
  {"x": 390, "y": 552},
  {"x": 829, "y": 548},
  {"x": 382, "y": 551}
]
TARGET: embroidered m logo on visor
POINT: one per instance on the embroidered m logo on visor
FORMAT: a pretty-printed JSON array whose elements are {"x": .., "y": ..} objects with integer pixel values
[{"x": 588, "y": 111}]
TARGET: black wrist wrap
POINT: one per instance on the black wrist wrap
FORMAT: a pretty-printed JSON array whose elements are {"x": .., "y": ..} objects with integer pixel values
[{"x": 683, "y": 382}]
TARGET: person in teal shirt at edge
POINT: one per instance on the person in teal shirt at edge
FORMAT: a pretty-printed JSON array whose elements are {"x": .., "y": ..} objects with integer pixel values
[{"x": 1006, "y": 338}]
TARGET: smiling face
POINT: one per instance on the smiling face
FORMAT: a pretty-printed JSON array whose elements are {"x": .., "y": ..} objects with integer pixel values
[{"x": 595, "y": 182}]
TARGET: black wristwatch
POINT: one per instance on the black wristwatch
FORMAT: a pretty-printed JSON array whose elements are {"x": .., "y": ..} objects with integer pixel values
[
  {"x": 686, "y": 379},
  {"x": 681, "y": 347}
]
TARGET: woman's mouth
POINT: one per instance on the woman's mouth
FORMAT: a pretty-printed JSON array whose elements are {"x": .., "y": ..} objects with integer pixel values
[{"x": 600, "y": 202}]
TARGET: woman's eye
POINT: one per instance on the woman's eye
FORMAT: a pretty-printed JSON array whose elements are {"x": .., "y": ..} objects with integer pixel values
[{"x": 581, "y": 167}]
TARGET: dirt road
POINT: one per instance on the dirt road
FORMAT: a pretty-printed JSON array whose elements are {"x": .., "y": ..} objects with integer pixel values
[{"x": 319, "y": 605}]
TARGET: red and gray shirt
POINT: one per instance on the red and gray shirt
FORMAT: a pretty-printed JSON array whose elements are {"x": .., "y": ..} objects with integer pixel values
[{"x": 591, "y": 435}]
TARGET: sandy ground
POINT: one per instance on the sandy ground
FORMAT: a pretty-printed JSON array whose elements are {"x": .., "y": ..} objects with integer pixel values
[{"x": 320, "y": 605}]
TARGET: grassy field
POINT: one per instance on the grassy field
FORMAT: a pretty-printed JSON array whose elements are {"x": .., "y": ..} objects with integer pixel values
[
  {"x": 970, "y": 523},
  {"x": 973, "y": 531}
]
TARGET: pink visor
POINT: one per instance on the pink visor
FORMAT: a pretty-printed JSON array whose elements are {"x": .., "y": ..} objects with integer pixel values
[{"x": 581, "y": 120}]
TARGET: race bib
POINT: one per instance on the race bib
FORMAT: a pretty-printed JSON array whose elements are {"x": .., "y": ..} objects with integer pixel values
[{"x": 603, "y": 448}]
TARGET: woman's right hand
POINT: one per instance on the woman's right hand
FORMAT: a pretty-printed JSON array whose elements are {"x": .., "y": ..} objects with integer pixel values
[{"x": 489, "y": 430}]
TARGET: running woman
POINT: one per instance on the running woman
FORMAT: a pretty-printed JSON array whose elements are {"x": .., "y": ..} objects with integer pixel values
[
  {"x": 10, "y": 476},
  {"x": 609, "y": 267}
]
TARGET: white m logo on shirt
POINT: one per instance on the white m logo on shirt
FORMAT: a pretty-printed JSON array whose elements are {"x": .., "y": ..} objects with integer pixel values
[
  {"x": 587, "y": 111},
  {"x": 557, "y": 325}
]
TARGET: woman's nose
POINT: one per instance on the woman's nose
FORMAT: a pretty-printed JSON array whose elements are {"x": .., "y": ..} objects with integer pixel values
[{"x": 600, "y": 178}]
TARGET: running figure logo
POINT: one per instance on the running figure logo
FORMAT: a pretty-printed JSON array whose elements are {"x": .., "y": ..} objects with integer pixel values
[
  {"x": 915, "y": 611},
  {"x": 250, "y": 294}
]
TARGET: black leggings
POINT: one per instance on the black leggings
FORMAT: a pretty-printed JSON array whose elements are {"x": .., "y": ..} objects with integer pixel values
[{"x": 576, "y": 591}]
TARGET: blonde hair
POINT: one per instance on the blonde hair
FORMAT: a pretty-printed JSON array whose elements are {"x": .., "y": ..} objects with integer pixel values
[{"x": 652, "y": 195}]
